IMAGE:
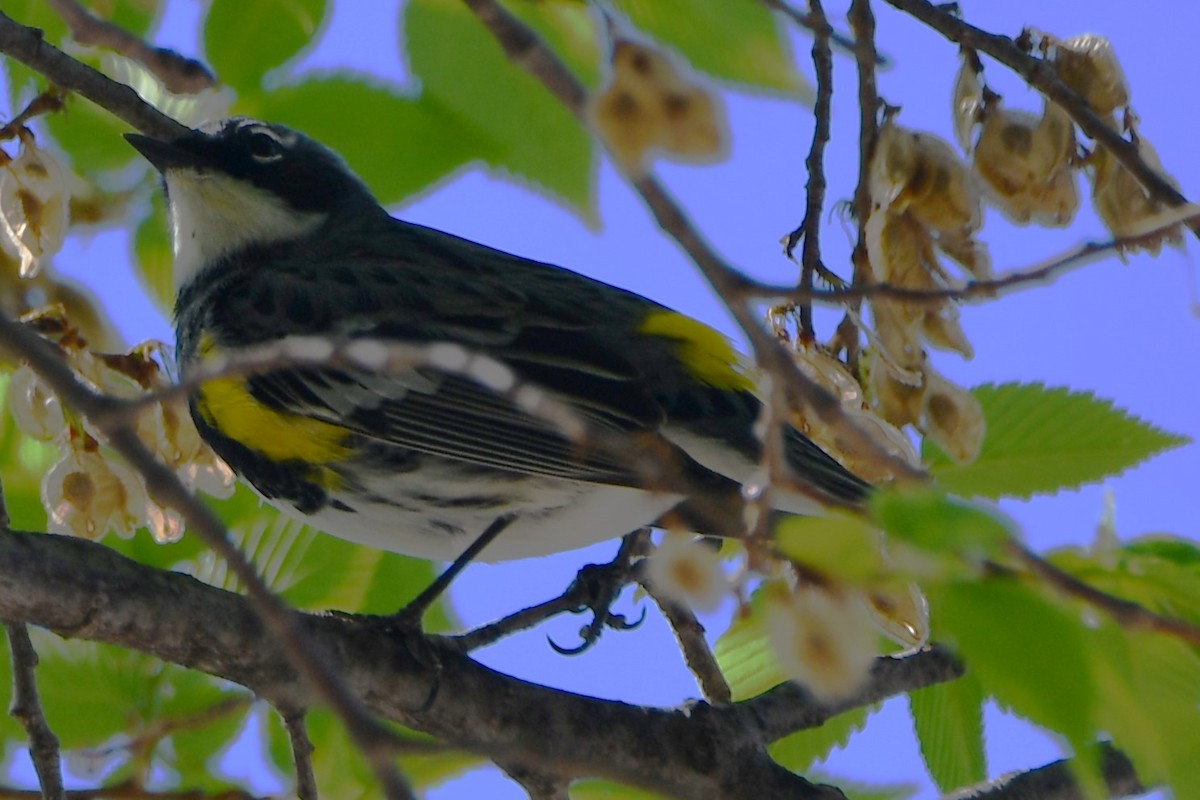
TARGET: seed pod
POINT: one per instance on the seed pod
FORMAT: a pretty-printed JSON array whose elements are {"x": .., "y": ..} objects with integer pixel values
[
  {"x": 1088, "y": 65},
  {"x": 650, "y": 106}
]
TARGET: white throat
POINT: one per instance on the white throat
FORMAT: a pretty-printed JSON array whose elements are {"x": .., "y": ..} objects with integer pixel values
[{"x": 213, "y": 215}]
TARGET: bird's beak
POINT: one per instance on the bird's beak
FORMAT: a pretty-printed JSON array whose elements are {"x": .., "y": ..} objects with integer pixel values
[{"x": 166, "y": 155}]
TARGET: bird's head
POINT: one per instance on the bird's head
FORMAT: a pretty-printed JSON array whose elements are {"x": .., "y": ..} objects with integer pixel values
[{"x": 241, "y": 183}]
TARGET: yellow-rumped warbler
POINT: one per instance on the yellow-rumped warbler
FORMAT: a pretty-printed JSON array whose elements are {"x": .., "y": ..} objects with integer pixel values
[{"x": 275, "y": 237}]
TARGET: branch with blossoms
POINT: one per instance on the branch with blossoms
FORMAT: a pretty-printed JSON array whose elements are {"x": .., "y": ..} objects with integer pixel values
[{"x": 810, "y": 384}]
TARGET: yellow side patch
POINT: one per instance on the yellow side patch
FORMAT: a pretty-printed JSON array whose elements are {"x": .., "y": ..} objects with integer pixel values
[
  {"x": 705, "y": 353},
  {"x": 227, "y": 405}
]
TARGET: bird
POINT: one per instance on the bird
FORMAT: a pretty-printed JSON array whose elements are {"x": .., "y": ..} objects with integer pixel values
[{"x": 275, "y": 237}]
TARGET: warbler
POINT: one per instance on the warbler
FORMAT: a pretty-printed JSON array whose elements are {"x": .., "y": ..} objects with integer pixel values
[{"x": 274, "y": 236}]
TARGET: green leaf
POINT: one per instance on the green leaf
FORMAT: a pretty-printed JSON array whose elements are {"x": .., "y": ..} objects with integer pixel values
[
  {"x": 1027, "y": 651},
  {"x": 338, "y": 764},
  {"x": 399, "y": 145},
  {"x": 1158, "y": 575},
  {"x": 91, "y": 136},
  {"x": 1041, "y": 440},
  {"x": 939, "y": 524},
  {"x": 841, "y": 546},
  {"x": 117, "y": 687},
  {"x": 734, "y": 40},
  {"x": 1150, "y": 684},
  {"x": 313, "y": 570},
  {"x": 745, "y": 657},
  {"x": 597, "y": 789},
  {"x": 948, "y": 719},
  {"x": 206, "y": 717},
  {"x": 800, "y": 750},
  {"x": 153, "y": 256},
  {"x": 243, "y": 40},
  {"x": 531, "y": 134}
]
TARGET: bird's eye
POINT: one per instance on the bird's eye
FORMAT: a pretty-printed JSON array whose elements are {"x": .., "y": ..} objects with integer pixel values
[{"x": 265, "y": 147}]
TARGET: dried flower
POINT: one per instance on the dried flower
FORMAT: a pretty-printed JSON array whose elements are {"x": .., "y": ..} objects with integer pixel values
[
  {"x": 651, "y": 105},
  {"x": 86, "y": 494},
  {"x": 1122, "y": 203},
  {"x": 33, "y": 205},
  {"x": 820, "y": 640},
  {"x": 35, "y": 408},
  {"x": 1026, "y": 164},
  {"x": 918, "y": 173},
  {"x": 1088, "y": 65},
  {"x": 688, "y": 571},
  {"x": 898, "y": 611}
]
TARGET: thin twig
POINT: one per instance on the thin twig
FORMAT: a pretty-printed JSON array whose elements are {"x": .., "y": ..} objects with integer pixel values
[
  {"x": 1127, "y": 613},
  {"x": 178, "y": 73},
  {"x": 980, "y": 290},
  {"x": 812, "y": 23},
  {"x": 302, "y": 750},
  {"x": 47, "y": 102},
  {"x": 413, "y": 613},
  {"x": 26, "y": 708},
  {"x": 810, "y": 228},
  {"x": 163, "y": 485},
  {"x": 149, "y": 737},
  {"x": 698, "y": 656},
  {"x": 27, "y": 45},
  {"x": 862, "y": 22},
  {"x": 1041, "y": 75}
]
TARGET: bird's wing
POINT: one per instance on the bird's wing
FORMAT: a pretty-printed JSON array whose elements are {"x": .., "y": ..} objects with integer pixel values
[{"x": 579, "y": 340}]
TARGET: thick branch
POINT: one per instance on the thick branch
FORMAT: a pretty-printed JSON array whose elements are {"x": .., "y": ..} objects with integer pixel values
[
  {"x": 81, "y": 589},
  {"x": 1055, "y": 782}
]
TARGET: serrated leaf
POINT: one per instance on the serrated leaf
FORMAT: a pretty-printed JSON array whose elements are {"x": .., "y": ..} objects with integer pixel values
[
  {"x": 1026, "y": 651},
  {"x": 399, "y": 145},
  {"x": 841, "y": 546},
  {"x": 597, "y": 789},
  {"x": 733, "y": 40},
  {"x": 745, "y": 657},
  {"x": 532, "y": 135},
  {"x": 800, "y": 750},
  {"x": 1151, "y": 688},
  {"x": 1041, "y": 440},
  {"x": 939, "y": 524},
  {"x": 948, "y": 719},
  {"x": 243, "y": 40}
]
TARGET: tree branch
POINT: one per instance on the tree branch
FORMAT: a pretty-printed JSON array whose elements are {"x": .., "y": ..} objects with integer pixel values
[
  {"x": 81, "y": 589},
  {"x": 1056, "y": 782},
  {"x": 179, "y": 74},
  {"x": 27, "y": 45},
  {"x": 26, "y": 708},
  {"x": 1041, "y": 76},
  {"x": 163, "y": 485}
]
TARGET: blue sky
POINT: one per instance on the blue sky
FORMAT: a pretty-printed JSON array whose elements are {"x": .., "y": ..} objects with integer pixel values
[{"x": 1126, "y": 331}]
